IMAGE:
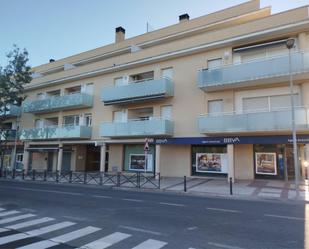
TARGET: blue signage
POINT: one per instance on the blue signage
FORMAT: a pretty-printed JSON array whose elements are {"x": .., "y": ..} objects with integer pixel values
[{"x": 281, "y": 139}]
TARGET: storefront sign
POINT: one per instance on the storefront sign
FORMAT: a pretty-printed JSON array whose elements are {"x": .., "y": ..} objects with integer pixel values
[
  {"x": 137, "y": 162},
  {"x": 232, "y": 140},
  {"x": 265, "y": 163},
  {"x": 211, "y": 163}
]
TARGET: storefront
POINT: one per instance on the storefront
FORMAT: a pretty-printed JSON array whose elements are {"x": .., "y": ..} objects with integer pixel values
[
  {"x": 135, "y": 158},
  {"x": 243, "y": 157}
]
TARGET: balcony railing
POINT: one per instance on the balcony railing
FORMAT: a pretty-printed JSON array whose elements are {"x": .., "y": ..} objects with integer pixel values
[
  {"x": 138, "y": 91},
  {"x": 66, "y": 102},
  {"x": 263, "y": 121},
  {"x": 253, "y": 72},
  {"x": 11, "y": 111},
  {"x": 8, "y": 135},
  {"x": 138, "y": 128},
  {"x": 55, "y": 132}
]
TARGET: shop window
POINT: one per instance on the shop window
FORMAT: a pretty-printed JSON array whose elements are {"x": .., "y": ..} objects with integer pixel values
[{"x": 209, "y": 161}]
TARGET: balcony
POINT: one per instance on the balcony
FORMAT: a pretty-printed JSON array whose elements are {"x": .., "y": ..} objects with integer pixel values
[
  {"x": 12, "y": 111},
  {"x": 263, "y": 121},
  {"x": 155, "y": 127},
  {"x": 8, "y": 135},
  {"x": 258, "y": 72},
  {"x": 66, "y": 102},
  {"x": 55, "y": 132},
  {"x": 138, "y": 91}
]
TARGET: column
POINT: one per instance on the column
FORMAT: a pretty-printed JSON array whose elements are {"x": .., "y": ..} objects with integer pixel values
[
  {"x": 230, "y": 159},
  {"x": 158, "y": 158},
  {"x": 26, "y": 158},
  {"x": 103, "y": 158},
  {"x": 60, "y": 155}
]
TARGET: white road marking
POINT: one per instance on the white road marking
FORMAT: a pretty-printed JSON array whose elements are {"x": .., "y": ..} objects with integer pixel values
[
  {"x": 3, "y": 230},
  {"x": 224, "y": 246},
  {"x": 2, "y": 209},
  {"x": 62, "y": 238},
  {"x": 172, "y": 204},
  {"x": 30, "y": 223},
  {"x": 135, "y": 229},
  {"x": 133, "y": 200},
  {"x": 106, "y": 241},
  {"x": 284, "y": 217},
  {"x": 150, "y": 244},
  {"x": 33, "y": 233},
  {"x": 50, "y": 228},
  {"x": 2, "y": 214},
  {"x": 16, "y": 218},
  {"x": 102, "y": 196},
  {"x": 224, "y": 210}
]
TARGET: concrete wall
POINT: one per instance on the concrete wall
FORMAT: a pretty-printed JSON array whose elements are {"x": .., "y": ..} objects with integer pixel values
[
  {"x": 244, "y": 161},
  {"x": 175, "y": 160}
]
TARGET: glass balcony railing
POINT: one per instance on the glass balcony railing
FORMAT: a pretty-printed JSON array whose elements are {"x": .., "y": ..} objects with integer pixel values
[
  {"x": 244, "y": 74},
  {"x": 11, "y": 111},
  {"x": 72, "y": 101},
  {"x": 138, "y": 128},
  {"x": 276, "y": 120},
  {"x": 138, "y": 91},
  {"x": 8, "y": 135},
  {"x": 55, "y": 132}
]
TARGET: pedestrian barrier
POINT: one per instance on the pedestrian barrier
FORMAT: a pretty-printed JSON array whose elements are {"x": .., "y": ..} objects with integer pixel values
[{"x": 112, "y": 179}]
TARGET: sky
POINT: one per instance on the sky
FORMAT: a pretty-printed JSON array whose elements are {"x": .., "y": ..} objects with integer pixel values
[{"x": 60, "y": 28}]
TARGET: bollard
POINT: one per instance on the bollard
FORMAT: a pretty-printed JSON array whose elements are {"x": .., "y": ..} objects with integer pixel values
[
  {"x": 118, "y": 179},
  {"x": 45, "y": 175},
  {"x": 14, "y": 173},
  {"x": 101, "y": 178},
  {"x": 85, "y": 177},
  {"x": 159, "y": 183},
  {"x": 231, "y": 186},
  {"x": 185, "y": 184},
  {"x": 33, "y": 175},
  {"x": 23, "y": 175},
  {"x": 57, "y": 175},
  {"x": 70, "y": 177}
]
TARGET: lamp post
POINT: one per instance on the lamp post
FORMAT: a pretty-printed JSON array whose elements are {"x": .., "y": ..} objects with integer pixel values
[{"x": 290, "y": 44}]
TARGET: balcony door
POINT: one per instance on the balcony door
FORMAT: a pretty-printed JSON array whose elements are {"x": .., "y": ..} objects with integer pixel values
[
  {"x": 72, "y": 120},
  {"x": 215, "y": 107}
]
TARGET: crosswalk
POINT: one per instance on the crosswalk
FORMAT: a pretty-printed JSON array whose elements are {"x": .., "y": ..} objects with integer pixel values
[{"x": 26, "y": 231}]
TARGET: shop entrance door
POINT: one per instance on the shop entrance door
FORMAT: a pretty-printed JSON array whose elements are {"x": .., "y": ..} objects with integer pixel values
[
  {"x": 50, "y": 157},
  {"x": 290, "y": 170},
  {"x": 66, "y": 161}
]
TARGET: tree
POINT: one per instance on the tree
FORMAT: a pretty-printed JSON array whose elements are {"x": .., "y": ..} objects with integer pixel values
[{"x": 13, "y": 77}]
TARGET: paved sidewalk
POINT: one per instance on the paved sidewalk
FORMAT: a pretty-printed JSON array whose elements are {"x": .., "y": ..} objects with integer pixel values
[{"x": 262, "y": 189}]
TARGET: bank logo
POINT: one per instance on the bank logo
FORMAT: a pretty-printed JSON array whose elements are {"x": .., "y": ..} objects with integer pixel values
[{"x": 230, "y": 140}]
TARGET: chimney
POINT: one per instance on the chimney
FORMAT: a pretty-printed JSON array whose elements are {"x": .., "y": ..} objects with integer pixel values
[
  {"x": 120, "y": 34},
  {"x": 51, "y": 60},
  {"x": 184, "y": 18}
]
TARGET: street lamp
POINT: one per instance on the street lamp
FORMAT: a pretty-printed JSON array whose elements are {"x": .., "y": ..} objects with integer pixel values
[{"x": 290, "y": 44}]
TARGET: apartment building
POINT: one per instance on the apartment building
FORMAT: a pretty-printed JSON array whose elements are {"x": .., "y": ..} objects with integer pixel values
[{"x": 210, "y": 94}]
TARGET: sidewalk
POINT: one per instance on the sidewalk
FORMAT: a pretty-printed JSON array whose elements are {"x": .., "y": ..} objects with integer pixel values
[{"x": 256, "y": 189}]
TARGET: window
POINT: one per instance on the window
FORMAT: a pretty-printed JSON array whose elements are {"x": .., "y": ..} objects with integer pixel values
[
  {"x": 119, "y": 116},
  {"x": 215, "y": 106},
  {"x": 119, "y": 82},
  {"x": 38, "y": 123},
  {"x": 53, "y": 93},
  {"x": 73, "y": 90},
  {"x": 88, "y": 119},
  {"x": 88, "y": 88},
  {"x": 213, "y": 64},
  {"x": 142, "y": 76},
  {"x": 51, "y": 122},
  {"x": 269, "y": 103},
  {"x": 40, "y": 96},
  {"x": 71, "y": 120},
  {"x": 166, "y": 112},
  {"x": 167, "y": 73}
]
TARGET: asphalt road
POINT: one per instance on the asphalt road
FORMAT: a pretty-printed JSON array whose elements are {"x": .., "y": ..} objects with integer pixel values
[{"x": 73, "y": 216}]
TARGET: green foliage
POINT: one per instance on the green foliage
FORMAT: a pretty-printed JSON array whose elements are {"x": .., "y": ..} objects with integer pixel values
[{"x": 13, "y": 78}]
